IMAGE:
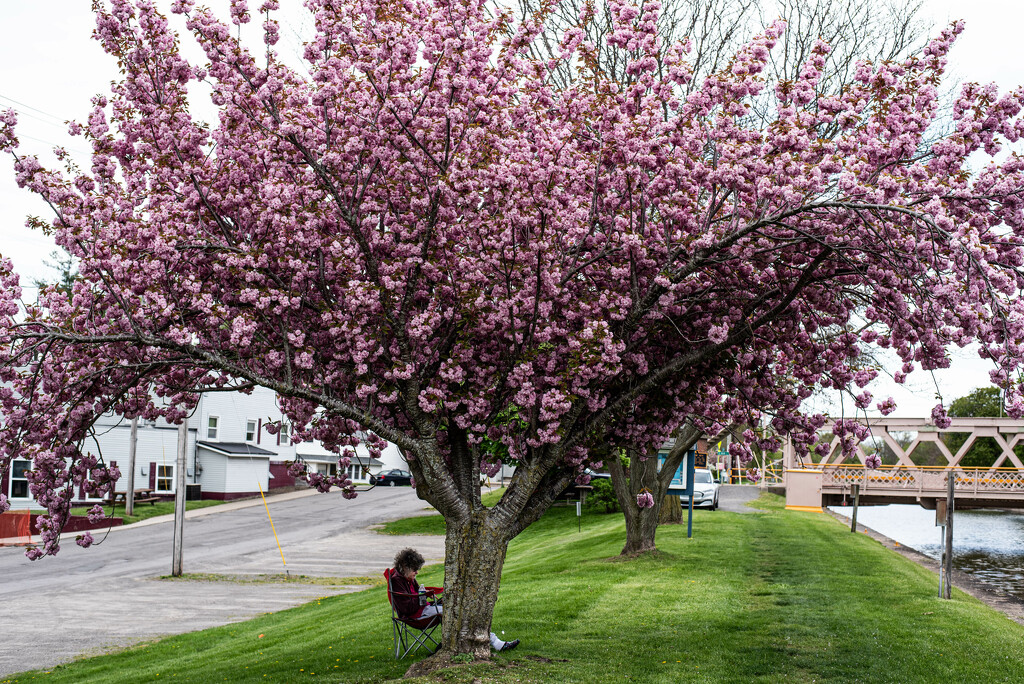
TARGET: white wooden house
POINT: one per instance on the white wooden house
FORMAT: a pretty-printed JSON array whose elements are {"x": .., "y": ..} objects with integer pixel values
[
  {"x": 156, "y": 452},
  {"x": 234, "y": 450},
  {"x": 319, "y": 459},
  {"x": 229, "y": 455}
]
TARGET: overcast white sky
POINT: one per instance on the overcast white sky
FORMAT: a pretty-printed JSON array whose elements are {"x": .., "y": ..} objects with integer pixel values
[{"x": 50, "y": 68}]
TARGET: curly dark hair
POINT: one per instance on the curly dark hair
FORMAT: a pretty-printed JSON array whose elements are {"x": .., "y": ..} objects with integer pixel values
[{"x": 408, "y": 559}]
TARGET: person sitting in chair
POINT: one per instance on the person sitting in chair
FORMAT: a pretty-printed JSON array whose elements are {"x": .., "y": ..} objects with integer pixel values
[{"x": 406, "y": 592}]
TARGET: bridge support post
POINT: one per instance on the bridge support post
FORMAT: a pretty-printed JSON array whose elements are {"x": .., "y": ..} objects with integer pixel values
[
  {"x": 856, "y": 503},
  {"x": 946, "y": 580}
]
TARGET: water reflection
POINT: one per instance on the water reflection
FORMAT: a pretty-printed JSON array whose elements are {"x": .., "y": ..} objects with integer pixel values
[{"x": 987, "y": 544}]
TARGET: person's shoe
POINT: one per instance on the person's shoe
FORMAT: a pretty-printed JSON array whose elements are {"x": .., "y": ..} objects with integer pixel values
[{"x": 509, "y": 645}]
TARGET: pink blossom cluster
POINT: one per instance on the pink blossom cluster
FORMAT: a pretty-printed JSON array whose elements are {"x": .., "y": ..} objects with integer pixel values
[
  {"x": 645, "y": 499},
  {"x": 418, "y": 237}
]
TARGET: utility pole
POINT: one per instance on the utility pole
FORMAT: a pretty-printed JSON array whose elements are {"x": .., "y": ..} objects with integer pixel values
[
  {"x": 179, "y": 497},
  {"x": 129, "y": 496}
]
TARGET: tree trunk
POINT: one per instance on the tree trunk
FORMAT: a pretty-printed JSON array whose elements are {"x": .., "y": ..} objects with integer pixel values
[
  {"x": 474, "y": 556},
  {"x": 671, "y": 511},
  {"x": 644, "y": 477},
  {"x": 640, "y": 530},
  {"x": 641, "y": 523}
]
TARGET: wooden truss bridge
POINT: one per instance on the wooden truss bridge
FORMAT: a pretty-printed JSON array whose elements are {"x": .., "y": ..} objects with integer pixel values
[{"x": 830, "y": 481}]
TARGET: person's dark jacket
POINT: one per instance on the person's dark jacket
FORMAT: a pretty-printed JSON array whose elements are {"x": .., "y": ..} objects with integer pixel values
[{"x": 408, "y": 607}]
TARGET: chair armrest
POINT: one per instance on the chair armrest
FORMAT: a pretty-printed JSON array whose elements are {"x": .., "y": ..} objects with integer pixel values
[{"x": 429, "y": 595}]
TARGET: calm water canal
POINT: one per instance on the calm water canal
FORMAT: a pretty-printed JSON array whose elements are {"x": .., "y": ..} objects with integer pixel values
[{"x": 987, "y": 544}]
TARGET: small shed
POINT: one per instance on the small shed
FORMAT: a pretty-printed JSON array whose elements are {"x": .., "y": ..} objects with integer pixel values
[{"x": 232, "y": 470}]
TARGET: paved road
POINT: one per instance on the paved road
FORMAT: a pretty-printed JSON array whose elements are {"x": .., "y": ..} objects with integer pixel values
[
  {"x": 86, "y": 601},
  {"x": 734, "y": 498}
]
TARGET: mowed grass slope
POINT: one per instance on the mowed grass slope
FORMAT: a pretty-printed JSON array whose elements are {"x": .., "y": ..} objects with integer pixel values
[{"x": 768, "y": 597}]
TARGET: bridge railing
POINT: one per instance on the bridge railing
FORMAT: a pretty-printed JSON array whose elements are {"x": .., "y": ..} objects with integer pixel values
[{"x": 920, "y": 479}]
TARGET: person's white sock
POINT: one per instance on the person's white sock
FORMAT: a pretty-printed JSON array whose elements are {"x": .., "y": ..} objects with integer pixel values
[{"x": 496, "y": 643}]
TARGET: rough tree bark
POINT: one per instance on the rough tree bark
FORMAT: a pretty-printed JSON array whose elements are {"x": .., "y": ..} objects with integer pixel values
[
  {"x": 671, "y": 511},
  {"x": 642, "y": 523},
  {"x": 477, "y": 539},
  {"x": 474, "y": 557}
]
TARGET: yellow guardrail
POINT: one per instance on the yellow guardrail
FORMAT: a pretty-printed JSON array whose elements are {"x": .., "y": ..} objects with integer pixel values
[{"x": 980, "y": 479}]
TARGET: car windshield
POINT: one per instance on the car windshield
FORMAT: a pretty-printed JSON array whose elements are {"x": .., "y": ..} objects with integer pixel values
[{"x": 702, "y": 477}]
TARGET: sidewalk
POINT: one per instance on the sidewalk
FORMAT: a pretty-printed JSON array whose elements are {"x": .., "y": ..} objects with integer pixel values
[{"x": 197, "y": 513}]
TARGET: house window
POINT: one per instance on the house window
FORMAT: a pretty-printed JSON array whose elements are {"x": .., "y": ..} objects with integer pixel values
[
  {"x": 285, "y": 434},
  {"x": 211, "y": 427},
  {"x": 19, "y": 478},
  {"x": 250, "y": 430},
  {"x": 164, "y": 478}
]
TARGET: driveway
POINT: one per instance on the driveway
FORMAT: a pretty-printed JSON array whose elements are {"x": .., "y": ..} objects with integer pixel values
[
  {"x": 87, "y": 601},
  {"x": 734, "y": 498}
]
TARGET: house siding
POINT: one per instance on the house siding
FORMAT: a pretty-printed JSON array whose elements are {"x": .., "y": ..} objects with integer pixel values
[
  {"x": 214, "y": 467},
  {"x": 157, "y": 445},
  {"x": 247, "y": 475},
  {"x": 234, "y": 409},
  {"x": 280, "y": 476},
  {"x": 232, "y": 477},
  {"x": 220, "y": 476},
  {"x": 315, "y": 456}
]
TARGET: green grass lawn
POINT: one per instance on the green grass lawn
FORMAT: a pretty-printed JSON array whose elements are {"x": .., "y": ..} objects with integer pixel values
[{"x": 767, "y": 597}]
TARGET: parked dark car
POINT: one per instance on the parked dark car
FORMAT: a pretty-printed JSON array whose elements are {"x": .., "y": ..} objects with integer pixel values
[{"x": 392, "y": 478}]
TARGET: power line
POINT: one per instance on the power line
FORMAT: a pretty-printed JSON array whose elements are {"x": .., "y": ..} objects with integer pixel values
[
  {"x": 34, "y": 109},
  {"x": 50, "y": 142},
  {"x": 40, "y": 119},
  {"x": 62, "y": 125}
]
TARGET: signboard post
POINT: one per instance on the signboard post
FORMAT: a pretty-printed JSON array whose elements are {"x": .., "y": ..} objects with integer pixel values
[
  {"x": 946, "y": 575},
  {"x": 689, "y": 490},
  {"x": 856, "y": 504}
]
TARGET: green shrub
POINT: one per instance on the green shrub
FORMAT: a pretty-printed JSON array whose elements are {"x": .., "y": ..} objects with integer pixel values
[{"x": 602, "y": 499}]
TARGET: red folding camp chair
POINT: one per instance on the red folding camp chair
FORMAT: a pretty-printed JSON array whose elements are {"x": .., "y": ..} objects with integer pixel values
[{"x": 411, "y": 634}]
